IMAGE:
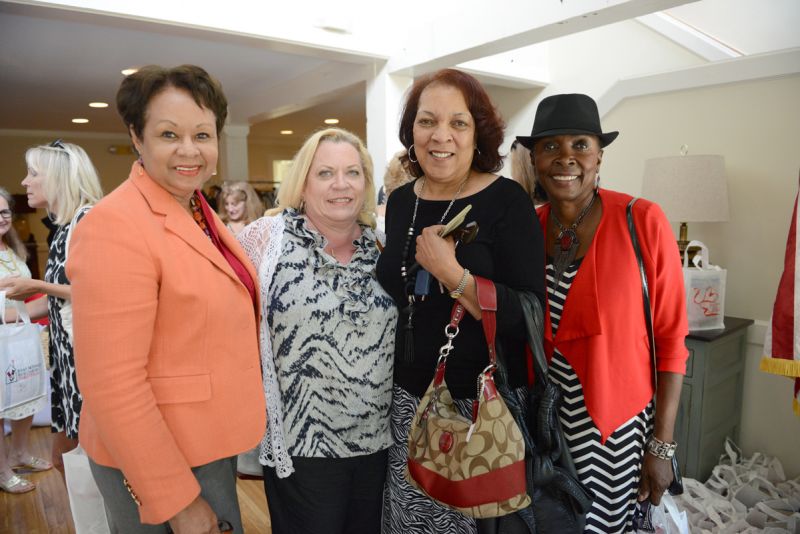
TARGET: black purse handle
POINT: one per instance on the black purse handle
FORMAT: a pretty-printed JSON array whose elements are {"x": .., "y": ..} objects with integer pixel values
[{"x": 648, "y": 317}]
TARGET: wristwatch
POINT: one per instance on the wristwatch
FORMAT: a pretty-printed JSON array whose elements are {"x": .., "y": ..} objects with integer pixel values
[{"x": 661, "y": 449}]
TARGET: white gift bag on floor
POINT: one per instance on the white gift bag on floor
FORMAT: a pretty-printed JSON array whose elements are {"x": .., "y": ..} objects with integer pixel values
[
  {"x": 85, "y": 500},
  {"x": 705, "y": 290}
]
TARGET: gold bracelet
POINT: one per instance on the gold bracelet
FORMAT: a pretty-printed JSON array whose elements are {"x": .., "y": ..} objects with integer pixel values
[{"x": 462, "y": 285}]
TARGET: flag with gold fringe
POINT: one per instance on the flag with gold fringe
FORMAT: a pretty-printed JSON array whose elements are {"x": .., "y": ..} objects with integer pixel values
[{"x": 782, "y": 343}]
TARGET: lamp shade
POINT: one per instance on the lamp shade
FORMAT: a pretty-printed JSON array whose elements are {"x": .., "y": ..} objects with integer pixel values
[{"x": 688, "y": 188}]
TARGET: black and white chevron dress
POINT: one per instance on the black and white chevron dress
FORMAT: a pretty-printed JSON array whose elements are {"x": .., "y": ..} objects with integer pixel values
[{"x": 610, "y": 470}]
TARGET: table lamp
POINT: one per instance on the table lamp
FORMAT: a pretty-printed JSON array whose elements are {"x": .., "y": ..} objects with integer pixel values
[{"x": 688, "y": 189}]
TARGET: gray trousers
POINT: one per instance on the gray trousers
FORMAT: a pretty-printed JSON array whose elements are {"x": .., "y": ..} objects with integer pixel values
[{"x": 217, "y": 486}]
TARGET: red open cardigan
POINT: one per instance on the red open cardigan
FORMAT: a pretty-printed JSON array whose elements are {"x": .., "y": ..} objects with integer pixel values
[{"x": 602, "y": 331}]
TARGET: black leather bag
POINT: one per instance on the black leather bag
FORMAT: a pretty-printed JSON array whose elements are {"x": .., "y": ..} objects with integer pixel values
[
  {"x": 676, "y": 487},
  {"x": 559, "y": 502}
]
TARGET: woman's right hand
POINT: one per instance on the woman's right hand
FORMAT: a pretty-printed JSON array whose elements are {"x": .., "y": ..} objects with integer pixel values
[
  {"x": 19, "y": 288},
  {"x": 197, "y": 518}
]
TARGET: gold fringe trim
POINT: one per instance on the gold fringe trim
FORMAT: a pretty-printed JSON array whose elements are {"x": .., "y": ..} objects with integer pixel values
[{"x": 779, "y": 366}]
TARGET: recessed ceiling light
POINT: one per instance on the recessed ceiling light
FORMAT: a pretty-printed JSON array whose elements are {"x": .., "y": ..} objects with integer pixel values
[
  {"x": 98, "y": 104},
  {"x": 128, "y": 72},
  {"x": 287, "y": 132},
  {"x": 331, "y": 121},
  {"x": 80, "y": 121}
]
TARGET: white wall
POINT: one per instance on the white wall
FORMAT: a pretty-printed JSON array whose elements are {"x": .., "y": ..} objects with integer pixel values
[{"x": 754, "y": 126}]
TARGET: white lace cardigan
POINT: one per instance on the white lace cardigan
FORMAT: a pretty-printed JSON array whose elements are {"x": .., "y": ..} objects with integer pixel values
[{"x": 262, "y": 241}]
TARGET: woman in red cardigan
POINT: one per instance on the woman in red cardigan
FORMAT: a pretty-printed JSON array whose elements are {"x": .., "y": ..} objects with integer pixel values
[{"x": 595, "y": 332}]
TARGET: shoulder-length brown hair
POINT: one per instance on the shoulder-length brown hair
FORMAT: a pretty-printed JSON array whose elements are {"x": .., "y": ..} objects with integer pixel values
[{"x": 489, "y": 126}]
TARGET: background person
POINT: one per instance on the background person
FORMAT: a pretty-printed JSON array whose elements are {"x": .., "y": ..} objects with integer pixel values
[
  {"x": 165, "y": 305},
  {"x": 18, "y": 457},
  {"x": 396, "y": 176},
  {"x": 452, "y": 133},
  {"x": 595, "y": 326},
  {"x": 62, "y": 180},
  {"x": 327, "y": 339},
  {"x": 522, "y": 169},
  {"x": 239, "y": 205}
]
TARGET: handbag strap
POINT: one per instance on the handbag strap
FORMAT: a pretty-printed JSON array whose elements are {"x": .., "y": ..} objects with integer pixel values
[
  {"x": 487, "y": 301},
  {"x": 648, "y": 317}
]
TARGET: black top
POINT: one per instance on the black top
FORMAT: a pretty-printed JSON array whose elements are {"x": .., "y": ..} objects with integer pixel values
[{"x": 509, "y": 250}]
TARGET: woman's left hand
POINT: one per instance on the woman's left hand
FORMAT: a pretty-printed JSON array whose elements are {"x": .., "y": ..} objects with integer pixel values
[
  {"x": 19, "y": 288},
  {"x": 435, "y": 254},
  {"x": 656, "y": 478}
]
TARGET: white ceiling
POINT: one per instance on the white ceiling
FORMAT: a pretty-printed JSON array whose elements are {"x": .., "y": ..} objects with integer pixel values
[{"x": 54, "y": 59}]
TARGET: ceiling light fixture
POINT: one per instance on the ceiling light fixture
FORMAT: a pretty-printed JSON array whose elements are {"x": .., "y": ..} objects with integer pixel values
[
  {"x": 331, "y": 121},
  {"x": 128, "y": 72},
  {"x": 98, "y": 104},
  {"x": 287, "y": 132},
  {"x": 80, "y": 121}
]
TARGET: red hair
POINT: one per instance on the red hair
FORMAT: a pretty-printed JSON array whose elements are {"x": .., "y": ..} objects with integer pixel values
[{"x": 489, "y": 126}]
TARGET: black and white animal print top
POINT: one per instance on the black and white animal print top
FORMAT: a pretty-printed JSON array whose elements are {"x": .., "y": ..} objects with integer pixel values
[{"x": 332, "y": 331}]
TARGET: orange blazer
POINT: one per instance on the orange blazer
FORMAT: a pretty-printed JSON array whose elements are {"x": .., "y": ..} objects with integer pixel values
[{"x": 166, "y": 345}]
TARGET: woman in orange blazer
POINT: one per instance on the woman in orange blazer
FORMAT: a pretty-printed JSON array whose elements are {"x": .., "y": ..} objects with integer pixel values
[{"x": 165, "y": 304}]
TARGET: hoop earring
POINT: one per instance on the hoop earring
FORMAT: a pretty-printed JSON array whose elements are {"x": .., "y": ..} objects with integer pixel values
[
  {"x": 478, "y": 150},
  {"x": 410, "y": 151},
  {"x": 302, "y": 207},
  {"x": 597, "y": 181}
]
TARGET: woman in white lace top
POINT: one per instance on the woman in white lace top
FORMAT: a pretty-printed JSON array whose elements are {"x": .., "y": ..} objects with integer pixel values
[{"x": 327, "y": 342}]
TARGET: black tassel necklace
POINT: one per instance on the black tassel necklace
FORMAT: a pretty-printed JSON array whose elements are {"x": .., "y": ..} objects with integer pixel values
[
  {"x": 567, "y": 242},
  {"x": 408, "y": 283}
]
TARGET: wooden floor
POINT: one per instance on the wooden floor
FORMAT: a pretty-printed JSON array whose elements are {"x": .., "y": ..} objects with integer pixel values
[{"x": 46, "y": 509}]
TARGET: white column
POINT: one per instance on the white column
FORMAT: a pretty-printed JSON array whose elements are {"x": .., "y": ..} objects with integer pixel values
[
  {"x": 233, "y": 163},
  {"x": 385, "y": 94}
]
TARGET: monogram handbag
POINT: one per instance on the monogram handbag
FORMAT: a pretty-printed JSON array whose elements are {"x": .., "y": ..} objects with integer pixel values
[
  {"x": 676, "y": 487},
  {"x": 474, "y": 465}
]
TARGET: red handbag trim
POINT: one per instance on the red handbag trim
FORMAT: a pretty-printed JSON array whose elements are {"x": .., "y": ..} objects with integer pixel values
[
  {"x": 495, "y": 486},
  {"x": 487, "y": 300}
]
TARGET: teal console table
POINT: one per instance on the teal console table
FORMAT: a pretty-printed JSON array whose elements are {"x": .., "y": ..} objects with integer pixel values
[{"x": 711, "y": 397}]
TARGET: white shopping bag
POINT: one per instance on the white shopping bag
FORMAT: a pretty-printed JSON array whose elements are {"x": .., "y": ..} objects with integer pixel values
[
  {"x": 85, "y": 500},
  {"x": 705, "y": 290},
  {"x": 24, "y": 375}
]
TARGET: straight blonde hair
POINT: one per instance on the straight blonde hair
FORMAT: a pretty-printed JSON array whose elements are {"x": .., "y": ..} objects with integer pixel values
[
  {"x": 290, "y": 194},
  {"x": 70, "y": 179}
]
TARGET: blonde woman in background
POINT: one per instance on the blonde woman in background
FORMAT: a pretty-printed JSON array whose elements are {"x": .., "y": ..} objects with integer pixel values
[
  {"x": 396, "y": 176},
  {"x": 62, "y": 180},
  {"x": 327, "y": 342},
  {"x": 522, "y": 170},
  {"x": 12, "y": 263},
  {"x": 239, "y": 205}
]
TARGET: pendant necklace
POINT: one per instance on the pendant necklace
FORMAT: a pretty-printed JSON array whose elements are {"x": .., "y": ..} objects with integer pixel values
[
  {"x": 567, "y": 242},
  {"x": 408, "y": 354}
]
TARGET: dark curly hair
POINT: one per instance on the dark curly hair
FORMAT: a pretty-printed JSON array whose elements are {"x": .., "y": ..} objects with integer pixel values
[
  {"x": 489, "y": 126},
  {"x": 137, "y": 89}
]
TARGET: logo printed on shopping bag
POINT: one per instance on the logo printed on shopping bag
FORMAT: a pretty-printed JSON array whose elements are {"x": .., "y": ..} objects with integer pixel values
[
  {"x": 707, "y": 299},
  {"x": 11, "y": 373}
]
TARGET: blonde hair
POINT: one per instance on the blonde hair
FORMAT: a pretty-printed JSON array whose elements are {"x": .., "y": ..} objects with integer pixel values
[
  {"x": 253, "y": 207},
  {"x": 290, "y": 194},
  {"x": 70, "y": 179},
  {"x": 396, "y": 174},
  {"x": 522, "y": 170},
  {"x": 12, "y": 237}
]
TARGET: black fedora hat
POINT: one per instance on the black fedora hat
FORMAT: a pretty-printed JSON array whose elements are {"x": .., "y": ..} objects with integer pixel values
[{"x": 566, "y": 114}]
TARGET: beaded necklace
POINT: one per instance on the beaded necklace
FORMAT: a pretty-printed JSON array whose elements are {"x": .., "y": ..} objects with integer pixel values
[
  {"x": 409, "y": 285},
  {"x": 567, "y": 242},
  {"x": 11, "y": 265},
  {"x": 197, "y": 215}
]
